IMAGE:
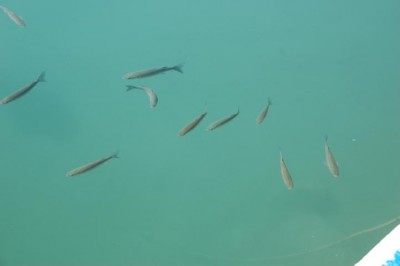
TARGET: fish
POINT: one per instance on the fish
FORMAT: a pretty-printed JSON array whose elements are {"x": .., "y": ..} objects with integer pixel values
[
  {"x": 330, "y": 160},
  {"x": 153, "y": 99},
  {"x": 152, "y": 72},
  {"x": 14, "y": 17},
  {"x": 23, "y": 90},
  {"x": 287, "y": 178},
  {"x": 192, "y": 124},
  {"x": 222, "y": 121},
  {"x": 263, "y": 113},
  {"x": 87, "y": 167}
]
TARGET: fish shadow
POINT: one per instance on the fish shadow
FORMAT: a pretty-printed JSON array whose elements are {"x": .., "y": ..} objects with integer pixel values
[
  {"x": 308, "y": 201},
  {"x": 50, "y": 120}
]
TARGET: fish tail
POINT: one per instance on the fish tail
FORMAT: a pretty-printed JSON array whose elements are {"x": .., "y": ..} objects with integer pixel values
[
  {"x": 41, "y": 77},
  {"x": 326, "y": 138},
  {"x": 238, "y": 111},
  {"x": 269, "y": 101},
  {"x": 179, "y": 68},
  {"x": 131, "y": 87},
  {"x": 280, "y": 152},
  {"x": 115, "y": 155}
]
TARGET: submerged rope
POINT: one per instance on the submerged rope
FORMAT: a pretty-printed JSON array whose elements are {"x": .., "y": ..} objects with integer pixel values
[
  {"x": 337, "y": 242},
  {"x": 293, "y": 255}
]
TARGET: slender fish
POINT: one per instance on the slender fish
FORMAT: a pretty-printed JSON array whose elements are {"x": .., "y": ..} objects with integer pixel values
[
  {"x": 87, "y": 167},
  {"x": 152, "y": 72},
  {"x": 192, "y": 124},
  {"x": 330, "y": 160},
  {"x": 23, "y": 90},
  {"x": 263, "y": 113},
  {"x": 14, "y": 17},
  {"x": 287, "y": 179},
  {"x": 222, "y": 121},
  {"x": 153, "y": 99}
]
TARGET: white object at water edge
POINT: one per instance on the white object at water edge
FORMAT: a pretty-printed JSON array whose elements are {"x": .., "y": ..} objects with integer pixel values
[{"x": 385, "y": 253}]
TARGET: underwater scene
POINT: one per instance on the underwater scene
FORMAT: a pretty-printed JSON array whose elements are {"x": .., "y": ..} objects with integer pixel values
[{"x": 198, "y": 132}]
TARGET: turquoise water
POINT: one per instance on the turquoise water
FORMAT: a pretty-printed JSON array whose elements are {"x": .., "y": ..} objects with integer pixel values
[{"x": 208, "y": 198}]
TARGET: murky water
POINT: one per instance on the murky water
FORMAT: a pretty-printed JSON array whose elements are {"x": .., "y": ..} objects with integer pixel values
[{"x": 208, "y": 198}]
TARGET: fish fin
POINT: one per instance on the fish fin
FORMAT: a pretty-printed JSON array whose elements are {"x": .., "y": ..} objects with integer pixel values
[
  {"x": 41, "y": 77},
  {"x": 179, "y": 68},
  {"x": 269, "y": 101}
]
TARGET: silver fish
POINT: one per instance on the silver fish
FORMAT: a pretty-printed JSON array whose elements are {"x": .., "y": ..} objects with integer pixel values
[
  {"x": 192, "y": 124},
  {"x": 23, "y": 90},
  {"x": 152, "y": 72},
  {"x": 222, "y": 121},
  {"x": 87, "y": 167},
  {"x": 153, "y": 99},
  {"x": 330, "y": 160},
  {"x": 263, "y": 113},
  {"x": 14, "y": 17},
  {"x": 287, "y": 179}
]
